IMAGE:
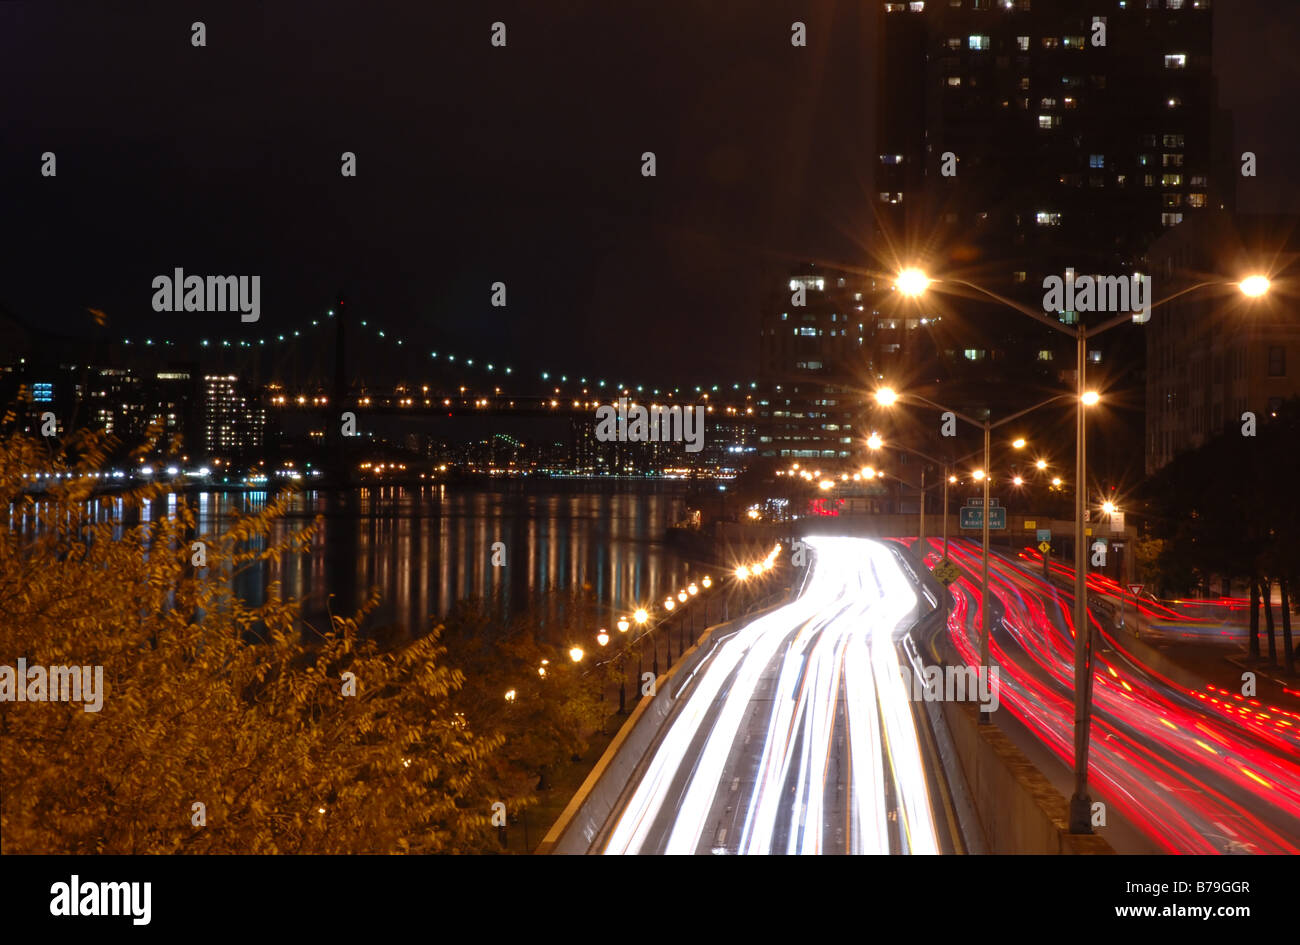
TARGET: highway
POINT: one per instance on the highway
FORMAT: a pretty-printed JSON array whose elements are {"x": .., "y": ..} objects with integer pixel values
[
  {"x": 795, "y": 734},
  {"x": 1198, "y": 769}
]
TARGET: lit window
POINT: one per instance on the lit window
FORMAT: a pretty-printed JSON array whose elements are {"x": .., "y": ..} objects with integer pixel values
[
  {"x": 1094, "y": 357},
  {"x": 1022, "y": 43},
  {"x": 1072, "y": 42},
  {"x": 973, "y": 354},
  {"x": 1043, "y": 218},
  {"x": 1173, "y": 102},
  {"x": 1173, "y": 200},
  {"x": 1176, "y": 61},
  {"x": 1172, "y": 141},
  {"x": 954, "y": 80},
  {"x": 1171, "y": 180},
  {"x": 1045, "y": 355},
  {"x": 1047, "y": 103},
  {"x": 1173, "y": 4},
  {"x": 1069, "y": 101},
  {"x": 1096, "y": 160},
  {"x": 1047, "y": 122},
  {"x": 1050, "y": 42},
  {"x": 979, "y": 42},
  {"x": 1171, "y": 219},
  {"x": 1069, "y": 318},
  {"x": 1018, "y": 276},
  {"x": 954, "y": 42},
  {"x": 891, "y": 159},
  {"x": 1196, "y": 200}
]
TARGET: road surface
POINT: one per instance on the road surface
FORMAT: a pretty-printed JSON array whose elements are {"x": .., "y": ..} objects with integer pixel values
[{"x": 795, "y": 734}]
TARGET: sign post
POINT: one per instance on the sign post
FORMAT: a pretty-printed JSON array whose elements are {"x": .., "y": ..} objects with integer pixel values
[
  {"x": 1045, "y": 546},
  {"x": 1135, "y": 590}
]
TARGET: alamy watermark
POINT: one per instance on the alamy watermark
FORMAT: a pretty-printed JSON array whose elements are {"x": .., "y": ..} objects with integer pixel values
[
  {"x": 53, "y": 684},
  {"x": 954, "y": 684},
  {"x": 102, "y": 899},
  {"x": 655, "y": 424},
  {"x": 181, "y": 293},
  {"x": 1116, "y": 294}
]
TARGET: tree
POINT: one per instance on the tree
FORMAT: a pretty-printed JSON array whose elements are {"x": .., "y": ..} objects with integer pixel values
[{"x": 224, "y": 728}]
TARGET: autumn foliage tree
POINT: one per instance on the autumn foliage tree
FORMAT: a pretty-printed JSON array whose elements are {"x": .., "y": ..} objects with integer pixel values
[{"x": 225, "y": 728}]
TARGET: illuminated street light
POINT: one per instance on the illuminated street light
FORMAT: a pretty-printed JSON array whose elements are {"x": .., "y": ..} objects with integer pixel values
[
  {"x": 1056, "y": 481},
  {"x": 693, "y": 590},
  {"x": 641, "y": 616},
  {"x": 886, "y": 396},
  {"x": 742, "y": 572},
  {"x": 707, "y": 582},
  {"x": 603, "y": 637},
  {"x": 1040, "y": 464},
  {"x": 874, "y": 442},
  {"x": 1108, "y": 507},
  {"x": 1090, "y": 398},
  {"x": 1019, "y": 443},
  {"x": 681, "y": 596},
  {"x": 1254, "y": 286},
  {"x": 912, "y": 282},
  {"x": 510, "y": 695},
  {"x": 669, "y": 603},
  {"x": 1018, "y": 481},
  {"x": 576, "y": 654},
  {"x": 978, "y": 475},
  {"x": 826, "y": 484},
  {"x": 623, "y": 624}
]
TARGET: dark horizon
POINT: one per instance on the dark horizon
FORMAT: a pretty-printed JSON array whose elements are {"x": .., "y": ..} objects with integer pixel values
[{"x": 478, "y": 164}]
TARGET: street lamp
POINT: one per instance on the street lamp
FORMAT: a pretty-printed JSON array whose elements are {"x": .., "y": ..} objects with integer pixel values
[
  {"x": 915, "y": 283},
  {"x": 1254, "y": 286},
  {"x": 576, "y": 654},
  {"x": 890, "y": 397},
  {"x": 623, "y": 624},
  {"x": 603, "y": 637}
]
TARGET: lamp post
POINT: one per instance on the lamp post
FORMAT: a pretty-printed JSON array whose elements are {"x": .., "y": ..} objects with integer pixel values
[
  {"x": 887, "y": 396},
  {"x": 914, "y": 283}
]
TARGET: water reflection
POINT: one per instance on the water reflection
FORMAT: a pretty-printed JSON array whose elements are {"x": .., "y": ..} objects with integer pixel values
[{"x": 427, "y": 548}]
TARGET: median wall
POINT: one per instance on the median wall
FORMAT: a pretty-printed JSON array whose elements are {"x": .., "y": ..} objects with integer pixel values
[
  {"x": 1017, "y": 806},
  {"x": 580, "y": 826}
]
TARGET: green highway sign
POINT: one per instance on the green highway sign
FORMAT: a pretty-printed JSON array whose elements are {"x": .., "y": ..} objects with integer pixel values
[{"x": 972, "y": 516}]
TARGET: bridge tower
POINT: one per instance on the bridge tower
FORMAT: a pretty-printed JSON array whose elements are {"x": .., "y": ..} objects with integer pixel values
[{"x": 338, "y": 471}]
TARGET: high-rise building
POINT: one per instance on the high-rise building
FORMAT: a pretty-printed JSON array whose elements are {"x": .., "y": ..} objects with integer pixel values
[
  {"x": 814, "y": 363},
  {"x": 233, "y": 422},
  {"x": 1214, "y": 355},
  {"x": 1021, "y": 139}
]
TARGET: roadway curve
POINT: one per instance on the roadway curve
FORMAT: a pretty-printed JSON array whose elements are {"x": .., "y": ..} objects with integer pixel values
[{"x": 795, "y": 733}]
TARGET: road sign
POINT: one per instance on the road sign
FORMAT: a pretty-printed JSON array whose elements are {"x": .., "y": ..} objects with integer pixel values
[
  {"x": 945, "y": 572},
  {"x": 1044, "y": 534},
  {"x": 972, "y": 516},
  {"x": 1136, "y": 589},
  {"x": 1044, "y": 546},
  {"x": 1030, "y": 524}
]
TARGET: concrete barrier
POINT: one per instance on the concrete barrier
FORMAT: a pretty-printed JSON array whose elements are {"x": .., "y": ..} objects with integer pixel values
[
  {"x": 583, "y": 820},
  {"x": 1017, "y": 806}
]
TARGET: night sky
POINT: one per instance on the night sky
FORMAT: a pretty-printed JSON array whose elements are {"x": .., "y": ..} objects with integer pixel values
[{"x": 478, "y": 164}]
